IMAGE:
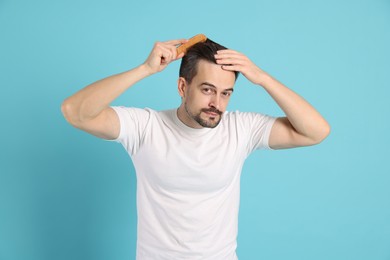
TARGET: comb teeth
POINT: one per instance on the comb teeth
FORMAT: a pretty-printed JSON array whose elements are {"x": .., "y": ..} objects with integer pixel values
[{"x": 191, "y": 42}]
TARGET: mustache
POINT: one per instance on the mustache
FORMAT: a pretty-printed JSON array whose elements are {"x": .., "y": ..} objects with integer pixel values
[{"x": 212, "y": 110}]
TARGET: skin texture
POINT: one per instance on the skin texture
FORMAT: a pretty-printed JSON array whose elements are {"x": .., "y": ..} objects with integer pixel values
[{"x": 202, "y": 103}]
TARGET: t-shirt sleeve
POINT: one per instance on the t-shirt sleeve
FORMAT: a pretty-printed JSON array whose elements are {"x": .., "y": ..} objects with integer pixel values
[
  {"x": 258, "y": 129},
  {"x": 133, "y": 122}
]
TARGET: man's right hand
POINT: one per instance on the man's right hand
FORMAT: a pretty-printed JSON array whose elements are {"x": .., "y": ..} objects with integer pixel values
[{"x": 162, "y": 54}]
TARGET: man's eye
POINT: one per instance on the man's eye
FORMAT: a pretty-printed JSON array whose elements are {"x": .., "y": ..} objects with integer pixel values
[
  {"x": 226, "y": 94},
  {"x": 207, "y": 90}
]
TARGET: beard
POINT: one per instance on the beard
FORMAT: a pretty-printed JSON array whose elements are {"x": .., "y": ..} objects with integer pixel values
[{"x": 210, "y": 122}]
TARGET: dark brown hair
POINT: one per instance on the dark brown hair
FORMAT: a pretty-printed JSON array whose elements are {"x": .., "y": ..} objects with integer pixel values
[{"x": 200, "y": 51}]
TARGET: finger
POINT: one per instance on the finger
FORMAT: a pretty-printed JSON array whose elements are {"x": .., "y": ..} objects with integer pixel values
[
  {"x": 168, "y": 52},
  {"x": 175, "y": 55},
  {"x": 237, "y": 56},
  {"x": 172, "y": 49},
  {"x": 181, "y": 55},
  {"x": 228, "y": 51},
  {"x": 230, "y": 61},
  {"x": 166, "y": 58},
  {"x": 232, "y": 67},
  {"x": 176, "y": 42}
]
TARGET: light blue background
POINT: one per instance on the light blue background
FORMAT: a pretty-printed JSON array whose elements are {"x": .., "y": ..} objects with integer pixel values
[{"x": 67, "y": 195}]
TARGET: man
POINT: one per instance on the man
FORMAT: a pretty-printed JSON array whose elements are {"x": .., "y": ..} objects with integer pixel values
[{"x": 188, "y": 160}]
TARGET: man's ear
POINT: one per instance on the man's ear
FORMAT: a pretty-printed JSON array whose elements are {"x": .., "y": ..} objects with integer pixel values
[{"x": 182, "y": 86}]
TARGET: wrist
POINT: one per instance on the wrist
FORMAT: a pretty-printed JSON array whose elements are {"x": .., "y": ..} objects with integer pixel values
[
  {"x": 264, "y": 79},
  {"x": 145, "y": 70}
]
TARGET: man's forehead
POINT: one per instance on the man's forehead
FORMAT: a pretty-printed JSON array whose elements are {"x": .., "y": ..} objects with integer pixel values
[{"x": 215, "y": 75}]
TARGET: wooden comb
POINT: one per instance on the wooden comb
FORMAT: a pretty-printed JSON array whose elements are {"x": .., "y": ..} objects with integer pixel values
[{"x": 191, "y": 42}]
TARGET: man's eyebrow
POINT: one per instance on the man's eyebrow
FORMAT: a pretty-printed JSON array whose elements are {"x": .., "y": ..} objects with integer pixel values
[
  {"x": 208, "y": 84},
  {"x": 213, "y": 86}
]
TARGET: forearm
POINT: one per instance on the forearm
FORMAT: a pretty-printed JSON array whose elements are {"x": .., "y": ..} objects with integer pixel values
[
  {"x": 303, "y": 124},
  {"x": 304, "y": 118},
  {"x": 93, "y": 99}
]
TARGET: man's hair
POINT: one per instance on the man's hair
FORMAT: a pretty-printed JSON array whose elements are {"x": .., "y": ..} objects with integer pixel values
[{"x": 200, "y": 51}]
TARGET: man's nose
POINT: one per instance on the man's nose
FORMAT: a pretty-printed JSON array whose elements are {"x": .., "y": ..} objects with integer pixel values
[{"x": 215, "y": 101}]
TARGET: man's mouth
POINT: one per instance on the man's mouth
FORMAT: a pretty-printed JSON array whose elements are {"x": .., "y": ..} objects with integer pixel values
[{"x": 212, "y": 112}]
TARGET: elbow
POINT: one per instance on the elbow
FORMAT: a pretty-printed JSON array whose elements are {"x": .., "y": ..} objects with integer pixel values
[
  {"x": 68, "y": 111},
  {"x": 322, "y": 134}
]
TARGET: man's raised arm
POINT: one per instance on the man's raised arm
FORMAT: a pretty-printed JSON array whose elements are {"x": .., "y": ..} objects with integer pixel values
[
  {"x": 89, "y": 110},
  {"x": 303, "y": 124}
]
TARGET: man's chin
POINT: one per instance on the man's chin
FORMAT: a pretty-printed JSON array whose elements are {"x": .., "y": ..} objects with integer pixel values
[{"x": 210, "y": 122}]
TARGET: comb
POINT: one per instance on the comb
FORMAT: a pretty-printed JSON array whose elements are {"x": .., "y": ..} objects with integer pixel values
[{"x": 191, "y": 42}]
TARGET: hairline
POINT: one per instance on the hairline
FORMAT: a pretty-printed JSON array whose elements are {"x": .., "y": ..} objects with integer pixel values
[{"x": 208, "y": 61}]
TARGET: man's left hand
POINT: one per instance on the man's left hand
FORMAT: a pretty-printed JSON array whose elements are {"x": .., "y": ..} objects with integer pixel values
[{"x": 234, "y": 61}]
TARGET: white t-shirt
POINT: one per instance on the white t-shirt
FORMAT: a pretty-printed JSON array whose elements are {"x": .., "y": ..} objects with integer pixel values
[{"x": 188, "y": 180}]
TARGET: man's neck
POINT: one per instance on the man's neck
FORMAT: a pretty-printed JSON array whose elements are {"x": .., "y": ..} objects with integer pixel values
[{"x": 183, "y": 116}]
